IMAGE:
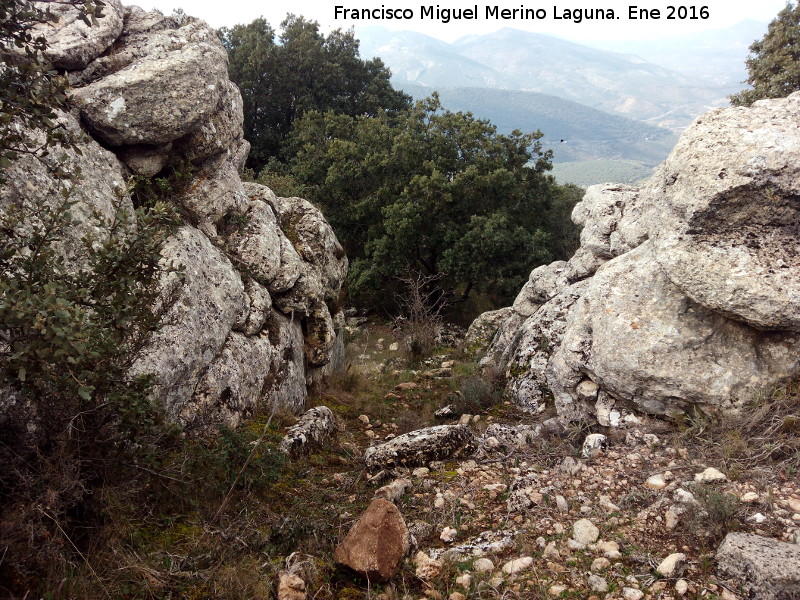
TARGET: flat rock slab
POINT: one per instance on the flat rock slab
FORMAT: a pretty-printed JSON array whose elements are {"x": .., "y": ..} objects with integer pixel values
[
  {"x": 420, "y": 447},
  {"x": 313, "y": 429},
  {"x": 765, "y": 568}
]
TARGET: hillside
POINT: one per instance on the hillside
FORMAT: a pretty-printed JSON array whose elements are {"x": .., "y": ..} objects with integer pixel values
[
  {"x": 518, "y": 60},
  {"x": 587, "y": 133}
]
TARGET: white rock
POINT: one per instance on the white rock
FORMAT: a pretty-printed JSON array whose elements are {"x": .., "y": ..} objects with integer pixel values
[
  {"x": 483, "y": 565},
  {"x": 632, "y": 594},
  {"x": 597, "y": 583},
  {"x": 585, "y": 532},
  {"x": 656, "y": 482},
  {"x": 448, "y": 535},
  {"x": 593, "y": 444},
  {"x": 517, "y": 565},
  {"x": 710, "y": 475},
  {"x": 681, "y": 587},
  {"x": 671, "y": 565}
]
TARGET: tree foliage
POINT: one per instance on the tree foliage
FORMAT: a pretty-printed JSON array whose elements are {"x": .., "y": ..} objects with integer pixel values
[
  {"x": 302, "y": 70},
  {"x": 429, "y": 190},
  {"x": 774, "y": 66}
]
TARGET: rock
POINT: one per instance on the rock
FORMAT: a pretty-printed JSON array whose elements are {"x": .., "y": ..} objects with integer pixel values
[
  {"x": 406, "y": 386},
  {"x": 612, "y": 220},
  {"x": 421, "y": 447},
  {"x": 71, "y": 43},
  {"x": 536, "y": 341},
  {"x": 313, "y": 430},
  {"x": 764, "y": 568},
  {"x": 671, "y": 519},
  {"x": 163, "y": 81},
  {"x": 428, "y": 568},
  {"x": 517, "y": 565},
  {"x": 376, "y": 544},
  {"x": 600, "y": 564},
  {"x": 465, "y": 581},
  {"x": 544, "y": 283},
  {"x": 448, "y": 535},
  {"x": 750, "y": 498},
  {"x": 724, "y": 213},
  {"x": 585, "y": 532},
  {"x": 456, "y": 596},
  {"x": 671, "y": 565},
  {"x": 609, "y": 549},
  {"x": 593, "y": 445},
  {"x": 681, "y": 587},
  {"x": 632, "y": 594},
  {"x": 597, "y": 583},
  {"x": 483, "y": 565},
  {"x": 446, "y": 412},
  {"x": 483, "y": 329},
  {"x": 710, "y": 475},
  {"x": 291, "y": 587},
  {"x": 646, "y": 343},
  {"x": 656, "y": 482},
  {"x": 512, "y": 436}
]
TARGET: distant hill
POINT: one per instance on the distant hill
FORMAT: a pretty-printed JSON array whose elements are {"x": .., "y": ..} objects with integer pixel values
[
  {"x": 511, "y": 59},
  {"x": 587, "y": 172},
  {"x": 587, "y": 133}
]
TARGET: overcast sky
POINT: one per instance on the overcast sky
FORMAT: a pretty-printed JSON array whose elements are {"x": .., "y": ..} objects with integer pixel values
[{"x": 722, "y": 13}]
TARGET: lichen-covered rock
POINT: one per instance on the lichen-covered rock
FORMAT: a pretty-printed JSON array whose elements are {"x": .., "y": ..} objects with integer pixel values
[
  {"x": 483, "y": 329},
  {"x": 260, "y": 306},
  {"x": 611, "y": 220},
  {"x": 314, "y": 428},
  {"x": 71, "y": 43},
  {"x": 725, "y": 213},
  {"x": 513, "y": 436},
  {"x": 210, "y": 301},
  {"x": 98, "y": 199},
  {"x": 538, "y": 339},
  {"x": 544, "y": 283},
  {"x": 376, "y": 544},
  {"x": 764, "y": 568},
  {"x": 163, "y": 80},
  {"x": 642, "y": 340},
  {"x": 420, "y": 447},
  {"x": 215, "y": 194}
]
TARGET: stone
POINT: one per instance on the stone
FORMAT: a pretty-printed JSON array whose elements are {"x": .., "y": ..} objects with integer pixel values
[
  {"x": 464, "y": 580},
  {"x": 376, "y": 544},
  {"x": 314, "y": 428},
  {"x": 483, "y": 329},
  {"x": 448, "y": 535},
  {"x": 610, "y": 549},
  {"x": 427, "y": 568},
  {"x": 71, "y": 43},
  {"x": 671, "y": 565},
  {"x": 291, "y": 587},
  {"x": 511, "y": 436},
  {"x": 483, "y": 565},
  {"x": 597, "y": 584},
  {"x": 611, "y": 218},
  {"x": 593, "y": 445},
  {"x": 681, "y": 587},
  {"x": 421, "y": 447},
  {"x": 163, "y": 81},
  {"x": 764, "y": 568},
  {"x": 585, "y": 532},
  {"x": 629, "y": 593},
  {"x": 600, "y": 564},
  {"x": 710, "y": 475},
  {"x": 724, "y": 213},
  {"x": 518, "y": 564},
  {"x": 656, "y": 482}
]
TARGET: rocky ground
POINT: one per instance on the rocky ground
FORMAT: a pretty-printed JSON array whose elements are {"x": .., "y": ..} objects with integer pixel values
[{"x": 547, "y": 515}]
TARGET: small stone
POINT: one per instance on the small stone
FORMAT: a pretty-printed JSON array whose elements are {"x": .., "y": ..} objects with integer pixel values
[
  {"x": 600, "y": 564},
  {"x": 671, "y": 519},
  {"x": 757, "y": 518},
  {"x": 517, "y": 565},
  {"x": 656, "y": 482},
  {"x": 651, "y": 440},
  {"x": 448, "y": 364},
  {"x": 439, "y": 502},
  {"x": 750, "y": 498},
  {"x": 594, "y": 444},
  {"x": 597, "y": 583},
  {"x": 456, "y": 596},
  {"x": 427, "y": 567},
  {"x": 585, "y": 532},
  {"x": 448, "y": 535},
  {"x": 683, "y": 496},
  {"x": 681, "y": 587},
  {"x": 557, "y": 590},
  {"x": 421, "y": 472},
  {"x": 710, "y": 475},
  {"x": 793, "y": 505},
  {"x": 483, "y": 565},
  {"x": 632, "y": 594},
  {"x": 609, "y": 549},
  {"x": 464, "y": 580},
  {"x": 561, "y": 504},
  {"x": 291, "y": 587},
  {"x": 406, "y": 386},
  {"x": 551, "y": 552},
  {"x": 394, "y": 347},
  {"x": 465, "y": 420},
  {"x": 364, "y": 419},
  {"x": 671, "y": 565}
]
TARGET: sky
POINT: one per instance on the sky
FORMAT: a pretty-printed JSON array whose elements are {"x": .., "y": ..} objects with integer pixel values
[{"x": 721, "y": 14}]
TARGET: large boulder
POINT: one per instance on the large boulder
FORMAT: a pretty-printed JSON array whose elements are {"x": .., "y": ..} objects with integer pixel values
[
  {"x": 725, "y": 213},
  {"x": 763, "y": 568},
  {"x": 641, "y": 339},
  {"x": 163, "y": 80}
]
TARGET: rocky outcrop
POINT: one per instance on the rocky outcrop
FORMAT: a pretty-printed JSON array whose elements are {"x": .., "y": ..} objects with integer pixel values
[
  {"x": 683, "y": 293},
  {"x": 252, "y": 280},
  {"x": 762, "y": 567}
]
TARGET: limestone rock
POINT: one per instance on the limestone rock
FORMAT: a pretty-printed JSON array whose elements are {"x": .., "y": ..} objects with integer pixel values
[
  {"x": 593, "y": 445},
  {"x": 725, "y": 213},
  {"x": 585, "y": 532},
  {"x": 512, "y": 436},
  {"x": 291, "y": 587},
  {"x": 421, "y": 447},
  {"x": 376, "y": 544},
  {"x": 393, "y": 491},
  {"x": 71, "y": 43},
  {"x": 483, "y": 329},
  {"x": 210, "y": 301},
  {"x": 611, "y": 217},
  {"x": 765, "y": 568},
  {"x": 427, "y": 568},
  {"x": 164, "y": 79},
  {"x": 517, "y": 565},
  {"x": 671, "y": 565},
  {"x": 215, "y": 195},
  {"x": 312, "y": 430},
  {"x": 544, "y": 283},
  {"x": 643, "y": 341}
]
